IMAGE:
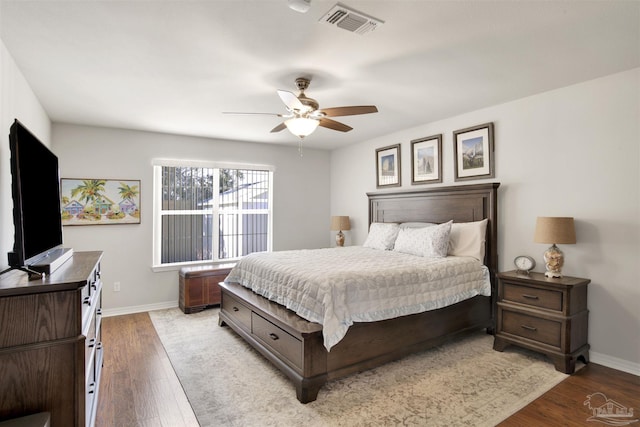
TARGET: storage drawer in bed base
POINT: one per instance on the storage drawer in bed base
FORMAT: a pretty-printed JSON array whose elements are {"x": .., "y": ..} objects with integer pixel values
[
  {"x": 299, "y": 351},
  {"x": 308, "y": 377}
]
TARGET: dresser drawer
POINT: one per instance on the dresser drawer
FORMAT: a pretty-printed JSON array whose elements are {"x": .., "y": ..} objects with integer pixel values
[
  {"x": 91, "y": 340},
  {"x": 91, "y": 389},
  {"x": 535, "y": 297},
  {"x": 282, "y": 342},
  {"x": 94, "y": 280},
  {"x": 534, "y": 328},
  {"x": 240, "y": 313},
  {"x": 87, "y": 301}
]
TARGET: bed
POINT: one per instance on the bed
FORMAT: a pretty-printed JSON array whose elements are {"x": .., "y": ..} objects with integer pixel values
[{"x": 298, "y": 347}]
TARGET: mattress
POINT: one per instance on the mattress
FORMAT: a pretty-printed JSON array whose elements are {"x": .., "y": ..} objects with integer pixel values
[{"x": 339, "y": 286}]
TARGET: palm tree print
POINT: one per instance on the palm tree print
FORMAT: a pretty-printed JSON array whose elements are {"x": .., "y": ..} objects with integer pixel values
[
  {"x": 100, "y": 201},
  {"x": 90, "y": 190},
  {"x": 128, "y": 192}
]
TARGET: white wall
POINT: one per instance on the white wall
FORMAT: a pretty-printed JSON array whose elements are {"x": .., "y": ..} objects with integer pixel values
[
  {"x": 300, "y": 207},
  {"x": 569, "y": 152},
  {"x": 17, "y": 101}
]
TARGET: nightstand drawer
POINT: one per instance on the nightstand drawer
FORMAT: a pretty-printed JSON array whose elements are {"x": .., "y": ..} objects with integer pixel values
[
  {"x": 536, "y": 297},
  {"x": 531, "y": 327}
]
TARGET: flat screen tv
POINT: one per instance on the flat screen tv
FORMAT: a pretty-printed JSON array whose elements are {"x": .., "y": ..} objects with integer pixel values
[{"x": 35, "y": 189}]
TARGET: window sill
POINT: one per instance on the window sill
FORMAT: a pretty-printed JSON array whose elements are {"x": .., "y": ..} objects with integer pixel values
[{"x": 178, "y": 266}]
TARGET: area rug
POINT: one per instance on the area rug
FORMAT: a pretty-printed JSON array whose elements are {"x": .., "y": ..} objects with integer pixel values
[{"x": 463, "y": 382}]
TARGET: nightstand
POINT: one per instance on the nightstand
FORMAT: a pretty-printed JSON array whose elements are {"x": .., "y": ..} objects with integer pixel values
[{"x": 544, "y": 314}]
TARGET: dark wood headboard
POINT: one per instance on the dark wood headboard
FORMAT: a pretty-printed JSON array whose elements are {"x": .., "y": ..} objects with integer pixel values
[{"x": 461, "y": 203}]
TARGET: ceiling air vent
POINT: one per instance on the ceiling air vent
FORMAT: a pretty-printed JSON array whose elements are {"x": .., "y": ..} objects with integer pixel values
[{"x": 348, "y": 19}]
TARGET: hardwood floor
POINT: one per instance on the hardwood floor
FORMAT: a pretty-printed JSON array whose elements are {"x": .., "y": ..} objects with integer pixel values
[
  {"x": 140, "y": 388},
  {"x": 564, "y": 405},
  {"x": 138, "y": 385}
]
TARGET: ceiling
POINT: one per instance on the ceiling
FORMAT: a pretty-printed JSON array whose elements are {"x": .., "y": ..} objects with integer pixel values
[{"x": 176, "y": 66}]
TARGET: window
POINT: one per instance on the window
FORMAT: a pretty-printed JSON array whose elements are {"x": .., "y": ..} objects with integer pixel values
[{"x": 210, "y": 213}]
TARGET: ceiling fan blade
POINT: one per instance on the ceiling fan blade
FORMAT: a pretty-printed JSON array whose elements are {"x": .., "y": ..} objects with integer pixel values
[
  {"x": 349, "y": 111},
  {"x": 290, "y": 100},
  {"x": 278, "y": 128},
  {"x": 332, "y": 124},
  {"x": 262, "y": 114}
]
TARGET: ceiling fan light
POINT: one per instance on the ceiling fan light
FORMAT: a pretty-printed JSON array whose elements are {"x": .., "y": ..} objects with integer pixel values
[
  {"x": 301, "y": 126},
  {"x": 301, "y": 6}
]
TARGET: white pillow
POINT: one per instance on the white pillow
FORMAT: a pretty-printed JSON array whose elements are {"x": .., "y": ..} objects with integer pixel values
[
  {"x": 381, "y": 235},
  {"x": 468, "y": 239},
  {"x": 430, "y": 242},
  {"x": 410, "y": 241}
]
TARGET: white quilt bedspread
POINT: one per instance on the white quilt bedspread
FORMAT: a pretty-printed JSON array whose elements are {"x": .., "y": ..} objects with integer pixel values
[{"x": 339, "y": 286}]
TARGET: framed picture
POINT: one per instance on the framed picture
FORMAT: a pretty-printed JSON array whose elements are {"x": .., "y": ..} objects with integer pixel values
[
  {"x": 473, "y": 152},
  {"x": 388, "y": 166},
  {"x": 426, "y": 160},
  {"x": 100, "y": 201}
]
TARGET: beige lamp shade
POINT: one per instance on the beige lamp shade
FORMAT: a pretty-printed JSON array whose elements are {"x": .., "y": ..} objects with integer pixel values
[
  {"x": 555, "y": 230},
  {"x": 340, "y": 223}
]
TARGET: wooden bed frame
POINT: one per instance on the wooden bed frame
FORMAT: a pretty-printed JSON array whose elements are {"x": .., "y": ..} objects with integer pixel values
[{"x": 295, "y": 345}]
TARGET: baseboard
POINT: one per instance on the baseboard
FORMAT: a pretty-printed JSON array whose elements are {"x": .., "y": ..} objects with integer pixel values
[
  {"x": 107, "y": 312},
  {"x": 615, "y": 363}
]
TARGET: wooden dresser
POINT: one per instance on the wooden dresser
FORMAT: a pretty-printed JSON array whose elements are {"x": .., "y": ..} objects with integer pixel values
[
  {"x": 545, "y": 315},
  {"x": 50, "y": 342}
]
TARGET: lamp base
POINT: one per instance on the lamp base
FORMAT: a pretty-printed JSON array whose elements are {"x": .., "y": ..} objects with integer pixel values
[
  {"x": 554, "y": 260},
  {"x": 340, "y": 238},
  {"x": 553, "y": 274}
]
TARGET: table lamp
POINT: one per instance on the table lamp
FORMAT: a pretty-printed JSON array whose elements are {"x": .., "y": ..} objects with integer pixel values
[
  {"x": 339, "y": 223},
  {"x": 554, "y": 230}
]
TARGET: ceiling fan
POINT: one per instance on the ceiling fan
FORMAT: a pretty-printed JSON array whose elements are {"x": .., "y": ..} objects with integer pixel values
[{"x": 304, "y": 114}]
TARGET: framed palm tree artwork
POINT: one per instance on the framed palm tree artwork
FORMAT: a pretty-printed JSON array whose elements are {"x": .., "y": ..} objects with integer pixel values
[{"x": 99, "y": 201}]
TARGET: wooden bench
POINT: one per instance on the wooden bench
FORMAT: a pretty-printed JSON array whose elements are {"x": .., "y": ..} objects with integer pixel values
[{"x": 199, "y": 286}]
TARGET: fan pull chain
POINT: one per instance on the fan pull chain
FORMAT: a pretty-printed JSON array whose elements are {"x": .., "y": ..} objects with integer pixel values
[{"x": 300, "y": 147}]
